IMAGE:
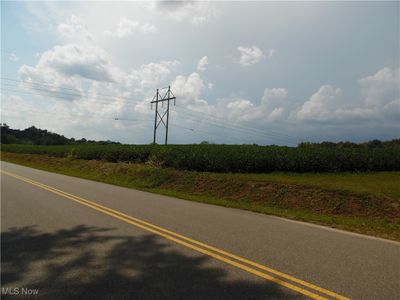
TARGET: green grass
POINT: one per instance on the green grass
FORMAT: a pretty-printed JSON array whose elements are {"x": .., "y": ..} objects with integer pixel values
[
  {"x": 386, "y": 184},
  {"x": 346, "y": 201}
]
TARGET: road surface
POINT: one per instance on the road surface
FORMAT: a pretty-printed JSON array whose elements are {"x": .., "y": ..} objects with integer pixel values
[{"x": 70, "y": 238}]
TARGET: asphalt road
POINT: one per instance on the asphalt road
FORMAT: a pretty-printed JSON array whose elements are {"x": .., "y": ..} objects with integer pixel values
[{"x": 56, "y": 238}]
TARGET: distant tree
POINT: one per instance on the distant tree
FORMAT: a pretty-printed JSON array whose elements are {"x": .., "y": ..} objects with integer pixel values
[
  {"x": 374, "y": 144},
  {"x": 328, "y": 144},
  {"x": 36, "y": 136}
]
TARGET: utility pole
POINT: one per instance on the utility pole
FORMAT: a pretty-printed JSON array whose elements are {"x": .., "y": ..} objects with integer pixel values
[{"x": 158, "y": 118}]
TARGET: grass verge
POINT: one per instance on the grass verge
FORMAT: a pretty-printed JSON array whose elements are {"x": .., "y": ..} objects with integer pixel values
[{"x": 347, "y": 201}]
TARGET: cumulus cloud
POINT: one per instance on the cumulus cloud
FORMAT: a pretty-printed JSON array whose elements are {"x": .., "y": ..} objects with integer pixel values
[
  {"x": 86, "y": 118},
  {"x": 321, "y": 105},
  {"x": 150, "y": 75},
  {"x": 234, "y": 109},
  {"x": 381, "y": 88},
  {"x": 249, "y": 55},
  {"x": 13, "y": 106},
  {"x": 188, "y": 89},
  {"x": 93, "y": 114},
  {"x": 379, "y": 102},
  {"x": 381, "y": 94},
  {"x": 64, "y": 69},
  {"x": 273, "y": 103},
  {"x": 128, "y": 27},
  {"x": 88, "y": 62},
  {"x": 75, "y": 29},
  {"x": 202, "y": 64},
  {"x": 274, "y": 96},
  {"x": 196, "y": 12},
  {"x": 272, "y": 107},
  {"x": 13, "y": 57}
]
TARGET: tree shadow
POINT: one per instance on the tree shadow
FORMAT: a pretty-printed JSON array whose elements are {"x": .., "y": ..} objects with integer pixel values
[{"x": 93, "y": 263}]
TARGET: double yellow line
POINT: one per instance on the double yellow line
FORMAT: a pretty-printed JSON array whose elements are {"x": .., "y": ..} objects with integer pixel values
[{"x": 226, "y": 257}]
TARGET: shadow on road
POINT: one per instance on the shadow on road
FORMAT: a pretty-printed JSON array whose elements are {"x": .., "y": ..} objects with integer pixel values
[{"x": 92, "y": 263}]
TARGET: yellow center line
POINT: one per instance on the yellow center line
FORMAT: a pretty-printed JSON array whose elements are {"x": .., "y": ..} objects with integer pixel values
[{"x": 174, "y": 237}]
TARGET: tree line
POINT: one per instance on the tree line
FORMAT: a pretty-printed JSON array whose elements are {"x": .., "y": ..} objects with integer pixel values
[{"x": 36, "y": 136}]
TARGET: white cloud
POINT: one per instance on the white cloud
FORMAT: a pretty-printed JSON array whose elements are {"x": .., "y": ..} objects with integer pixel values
[
  {"x": 13, "y": 57},
  {"x": 235, "y": 109},
  {"x": 273, "y": 103},
  {"x": 188, "y": 90},
  {"x": 150, "y": 75},
  {"x": 380, "y": 102},
  {"x": 274, "y": 96},
  {"x": 75, "y": 29},
  {"x": 69, "y": 70},
  {"x": 64, "y": 69},
  {"x": 14, "y": 106},
  {"x": 52, "y": 81},
  {"x": 381, "y": 88},
  {"x": 196, "y": 12},
  {"x": 128, "y": 27},
  {"x": 202, "y": 64},
  {"x": 73, "y": 60},
  {"x": 321, "y": 105},
  {"x": 249, "y": 55},
  {"x": 272, "y": 106},
  {"x": 381, "y": 94},
  {"x": 277, "y": 114}
]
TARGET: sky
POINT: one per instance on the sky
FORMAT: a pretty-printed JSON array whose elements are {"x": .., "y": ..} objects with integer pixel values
[{"x": 242, "y": 72}]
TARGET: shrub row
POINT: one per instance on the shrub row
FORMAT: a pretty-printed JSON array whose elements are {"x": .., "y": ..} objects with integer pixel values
[{"x": 232, "y": 158}]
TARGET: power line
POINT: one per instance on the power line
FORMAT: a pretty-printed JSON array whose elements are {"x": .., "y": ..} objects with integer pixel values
[
  {"x": 237, "y": 125},
  {"x": 241, "y": 129},
  {"x": 37, "y": 83},
  {"x": 44, "y": 90},
  {"x": 30, "y": 93},
  {"x": 135, "y": 100},
  {"x": 205, "y": 117},
  {"x": 199, "y": 132},
  {"x": 193, "y": 130},
  {"x": 53, "y": 94},
  {"x": 86, "y": 93},
  {"x": 132, "y": 120},
  {"x": 209, "y": 121}
]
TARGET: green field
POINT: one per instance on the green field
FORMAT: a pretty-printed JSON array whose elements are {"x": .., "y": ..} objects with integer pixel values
[
  {"x": 234, "y": 158},
  {"x": 367, "y": 202}
]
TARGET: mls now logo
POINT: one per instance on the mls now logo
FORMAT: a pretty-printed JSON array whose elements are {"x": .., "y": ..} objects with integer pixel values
[{"x": 19, "y": 291}]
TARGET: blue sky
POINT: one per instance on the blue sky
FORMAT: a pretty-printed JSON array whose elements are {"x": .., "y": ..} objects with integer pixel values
[{"x": 243, "y": 72}]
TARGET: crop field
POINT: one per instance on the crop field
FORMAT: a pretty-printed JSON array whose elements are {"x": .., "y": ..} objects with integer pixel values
[{"x": 231, "y": 158}]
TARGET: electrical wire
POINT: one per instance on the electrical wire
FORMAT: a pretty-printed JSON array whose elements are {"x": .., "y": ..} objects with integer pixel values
[
  {"x": 204, "y": 117},
  {"x": 237, "y": 125},
  {"x": 241, "y": 129},
  {"x": 86, "y": 94}
]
